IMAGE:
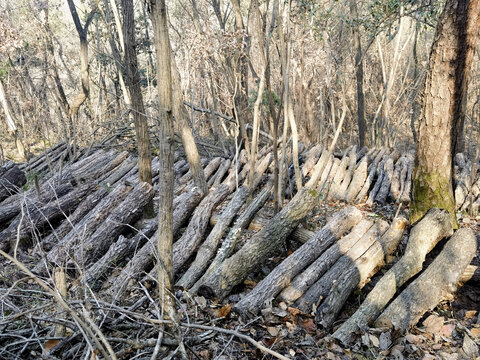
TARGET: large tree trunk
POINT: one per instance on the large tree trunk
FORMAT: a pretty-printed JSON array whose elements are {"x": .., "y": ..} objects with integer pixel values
[
  {"x": 135, "y": 91},
  {"x": 456, "y": 39},
  {"x": 436, "y": 225}
]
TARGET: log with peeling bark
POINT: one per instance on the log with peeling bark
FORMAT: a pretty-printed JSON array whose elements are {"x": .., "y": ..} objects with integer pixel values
[
  {"x": 281, "y": 276},
  {"x": 228, "y": 245},
  {"x": 117, "y": 253},
  {"x": 236, "y": 268},
  {"x": 315, "y": 270},
  {"x": 434, "y": 226},
  {"x": 311, "y": 159},
  {"x": 406, "y": 182},
  {"x": 342, "y": 191},
  {"x": 128, "y": 211},
  {"x": 20, "y": 231},
  {"x": 348, "y": 274},
  {"x": 384, "y": 189},
  {"x": 395, "y": 182},
  {"x": 359, "y": 177},
  {"x": 11, "y": 182},
  {"x": 315, "y": 293},
  {"x": 438, "y": 282},
  {"x": 378, "y": 184},
  {"x": 208, "y": 248},
  {"x": 95, "y": 208},
  {"x": 339, "y": 174},
  {"x": 372, "y": 170}
]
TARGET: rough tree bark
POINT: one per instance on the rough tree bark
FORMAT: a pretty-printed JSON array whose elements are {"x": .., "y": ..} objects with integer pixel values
[
  {"x": 436, "y": 225},
  {"x": 454, "y": 45}
]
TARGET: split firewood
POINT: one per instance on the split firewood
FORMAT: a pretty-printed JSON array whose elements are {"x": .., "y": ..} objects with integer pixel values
[
  {"x": 315, "y": 270},
  {"x": 384, "y": 189},
  {"x": 359, "y": 177},
  {"x": 321, "y": 288},
  {"x": 11, "y": 182},
  {"x": 348, "y": 275},
  {"x": 435, "y": 225},
  {"x": 210, "y": 245},
  {"x": 281, "y": 276},
  {"x": 438, "y": 282},
  {"x": 228, "y": 245}
]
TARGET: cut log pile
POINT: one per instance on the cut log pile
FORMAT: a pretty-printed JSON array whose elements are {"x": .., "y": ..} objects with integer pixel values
[{"x": 84, "y": 216}]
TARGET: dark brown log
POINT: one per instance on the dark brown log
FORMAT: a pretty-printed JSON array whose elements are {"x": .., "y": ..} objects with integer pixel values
[
  {"x": 236, "y": 268},
  {"x": 11, "y": 182},
  {"x": 438, "y": 282},
  {"x": 315, "y": 270},
  {"x": 103, "y": 205},
  {"x": 436, "y": 225},
  {"x": 378, "y": 183},
  {"x": 358, "y": 180},
  {"x": 228, "y": 245},
  {"x": 348, "y": 274},
  {"x": 130, "y": 210},
  {"x": 372, "y": 170},
  {"x": 384, "y": 190},
  {"x": 39, "y": 220},
  {"x": 281, "y": 276},
  {"x": 117, "y": 253},
  {"x": 321, "y": 288}
]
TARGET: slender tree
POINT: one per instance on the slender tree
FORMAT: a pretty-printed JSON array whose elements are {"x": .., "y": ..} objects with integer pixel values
[
  {"x": 135, "y": 93},
  {"x": 451, "y": 57}
]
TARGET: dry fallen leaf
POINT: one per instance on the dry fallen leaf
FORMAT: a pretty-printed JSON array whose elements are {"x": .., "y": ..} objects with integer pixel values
[
  {"x": 374, "y": 340},
  {"x": 309, "y": 326},
  {"x": 447, "y": 330},
  {"x": 470, "y": 314},
  {"x": 290, "y": 326},
  {"x": 385, "y": 340},
  {"x": 433, "y": 324},
  {"x": 204, "y": 354},
  {"x": 273, "y": 331},
  {"x": 475, "y": 332},
  {"x": 224, "y": 311},
  {"x": 397, "y": 351},
  {"x": 49, "y": 344}
]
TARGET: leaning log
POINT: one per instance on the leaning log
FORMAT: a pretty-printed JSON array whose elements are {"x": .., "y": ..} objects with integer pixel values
[
  {"x": 281, "y": 276},
  {"x": 384, "y": 190},
  {"x": 210, "y": 245},
  {"x": 342, "y": 191},
  {"x": 11, "y": 182},
  {"x": 20, "y": 230},
  {"x": 436, "y": 225},
  {"x": 350, "y": 274},
  {"x": 438, "y": 282},
  {"x": 130, "y": 210},
  {"x": 359, "y": 177},
  {"x": 322, "y": 287},
  {"x": 372, "y": 170},
  {"x": 236, "y": 268},
  {"x": 228, "y": 245},
  {"x": 312, "y": 273}
]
